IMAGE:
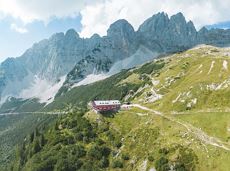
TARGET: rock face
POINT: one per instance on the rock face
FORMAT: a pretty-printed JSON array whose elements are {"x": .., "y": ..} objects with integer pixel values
[
  {"x": 167, "y": 35},
  {"x": 217, "y": 37},
  {"x": 119, "y": 44},
  {"x": 68, "y": 54}
]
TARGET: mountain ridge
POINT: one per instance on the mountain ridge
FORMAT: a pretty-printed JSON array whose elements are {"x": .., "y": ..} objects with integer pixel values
[{"x": 69, "y": 54}]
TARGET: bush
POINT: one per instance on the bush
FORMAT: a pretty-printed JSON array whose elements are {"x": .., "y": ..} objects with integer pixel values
[
  {"x": 95, "y": 152},
  {"x": 162, "y": 164},
  {"x": 88, "y": 166},
  {"x": 37, "y": 146},
  {"x": 100, "y": 142},
  {"x": 180, "y": 167},
  {"x": 148, "y": 68},
  {"x": 78, "y": 151},
  {"x": 62, "y": 165},
  {"x": 117, "y": 164},
  {"x": 164, "y": 151},
  {"x": 151, "y": 158},
  {"x": 117, "y": 143},
  {"x": 125, "y": 156},
  {"x": 104, "y": 162},
  {"x": 105, "y": 151},
  {"x": 79, "y": 136}
]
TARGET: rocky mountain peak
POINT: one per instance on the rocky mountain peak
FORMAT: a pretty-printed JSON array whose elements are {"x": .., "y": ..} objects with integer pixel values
[
  {"x": 191, "y": 25},
  {"x": 155, "y": 23},
  {"x": 121, "y": 28},
  {"x": 95, "y": 36},
  {"x": 57, "y": 37},
  {"x": 160, "y": 16},
  {"x": 179, "y": 17},
  {"x": 203, "y": 30},
  {"x": 178, "y": 23},
  {"x": 160, "y": 22},
  {"x": 55, "y": 57},
  {"x": 71, "y": 33}
]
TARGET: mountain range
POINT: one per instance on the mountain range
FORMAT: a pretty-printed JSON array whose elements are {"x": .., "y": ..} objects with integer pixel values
[
  {"x": 221, "y": 25},
  {"x": 55, "y": 65},
  {"x": 176, "y": 111}
]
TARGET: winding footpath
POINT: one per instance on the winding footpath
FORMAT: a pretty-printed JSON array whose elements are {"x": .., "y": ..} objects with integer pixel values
[{"x": 197, "y": 132}]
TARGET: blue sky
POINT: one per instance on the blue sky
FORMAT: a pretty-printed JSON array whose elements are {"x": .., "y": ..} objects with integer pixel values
[
  {"x": 221, "y": 25},
  {"x": 14, "y": 42},
  {"x": 24, "y": 22}
]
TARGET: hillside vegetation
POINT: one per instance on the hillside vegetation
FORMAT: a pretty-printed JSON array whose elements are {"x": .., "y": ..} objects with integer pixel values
[
  {"x": 114, "y": 87},
  {"x": 13, "y": 130},
  {"x": 179, "y": 119}
]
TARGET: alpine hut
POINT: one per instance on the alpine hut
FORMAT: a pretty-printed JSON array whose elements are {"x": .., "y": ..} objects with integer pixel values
[{"x": 106, "y": 105}]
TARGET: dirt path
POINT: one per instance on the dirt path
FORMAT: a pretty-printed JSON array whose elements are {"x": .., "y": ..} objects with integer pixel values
[{"x": 195, "y": 131}]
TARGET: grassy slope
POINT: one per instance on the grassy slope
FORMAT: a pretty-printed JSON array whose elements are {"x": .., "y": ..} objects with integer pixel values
[
  {"x": 215, "y": 124},
  {"x": 144, "y": 133},
  {"x": 210, "y": 113},
  {"x": 193, "y": 78},
  {"x": 144, "y": 136},
  {"x": 20, "y": 105},
  {"x": 109, "y": 88},
  {"x": 189, "y": 73},
  {"x": 116, "y": 87}
]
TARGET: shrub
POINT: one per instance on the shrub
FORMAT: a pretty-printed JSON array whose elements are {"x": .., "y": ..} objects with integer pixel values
[
  {"x": 163, "y": 151},
  {"x": 162, "y": 164},
  {"x": 151, "y": 158},
  {"x": 104, "y": 162},
  {"x": 78, "y": 151},
  {"x": 117, "y": 164},
  {"x": 95, "y": 152},
  {"x": 100, "y": 142},
  {"x": 125, "y": 156},
  {"x": 37, "y": 146},
  {"x": 117, "y": 143},
  {"x": 105, "y": 151}
]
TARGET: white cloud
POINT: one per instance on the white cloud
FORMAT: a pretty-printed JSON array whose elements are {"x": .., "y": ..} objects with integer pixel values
[
  {"x": 18, "y": 29},
  {"x": 44, "y": 10},
  {"x": 97, "y": 15},
  {"x": 97, "y": 18}
]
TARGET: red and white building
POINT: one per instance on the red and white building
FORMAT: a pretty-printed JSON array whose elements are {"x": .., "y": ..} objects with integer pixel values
[{"x": 107, "y": 105}]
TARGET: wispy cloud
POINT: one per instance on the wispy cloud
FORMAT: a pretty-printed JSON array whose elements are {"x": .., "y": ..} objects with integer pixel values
[
  {"x": 28, "y": 11},
  {"x": 18, "y": 29},
  {"x": 98, "y": 17}
]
